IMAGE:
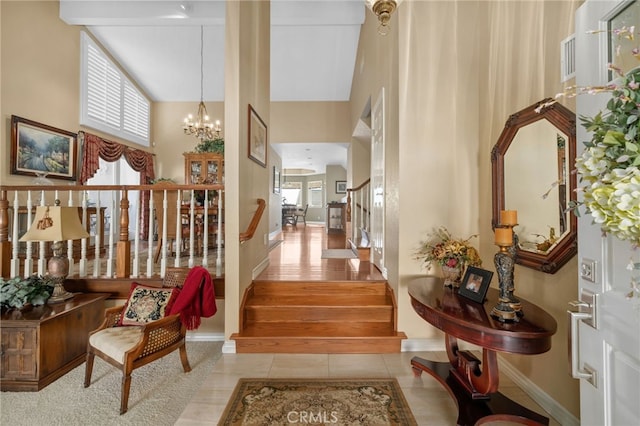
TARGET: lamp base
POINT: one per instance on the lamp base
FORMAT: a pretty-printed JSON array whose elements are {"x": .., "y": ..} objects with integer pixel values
[
  {"x": 60, "y": 294},
  {"x": 504, "y": 313}
]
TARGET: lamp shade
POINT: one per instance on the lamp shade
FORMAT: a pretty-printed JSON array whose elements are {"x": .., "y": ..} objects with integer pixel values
[{"x": 55, "y": 223}]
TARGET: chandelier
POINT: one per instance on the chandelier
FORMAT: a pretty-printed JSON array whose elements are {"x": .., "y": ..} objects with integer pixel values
[
  {"x": 383, "y": 10},
  {"x": 200, "y": 126}
]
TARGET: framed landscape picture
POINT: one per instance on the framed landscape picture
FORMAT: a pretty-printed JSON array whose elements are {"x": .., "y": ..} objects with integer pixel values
[
  {"x": 341, "y": 187},
  {"x": 38, "y": 149},
  {"x": 257, "y": 138}
]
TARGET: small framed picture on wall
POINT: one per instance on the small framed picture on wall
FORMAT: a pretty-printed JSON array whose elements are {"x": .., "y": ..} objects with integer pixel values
[{"x": 341, "y": 187}]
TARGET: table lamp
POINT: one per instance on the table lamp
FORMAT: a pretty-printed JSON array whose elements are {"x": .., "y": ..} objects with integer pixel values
[{"x": 56, "y": 224}]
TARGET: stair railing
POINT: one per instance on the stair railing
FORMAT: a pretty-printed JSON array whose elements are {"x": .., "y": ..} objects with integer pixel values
[{"x": 105, "y": 254}]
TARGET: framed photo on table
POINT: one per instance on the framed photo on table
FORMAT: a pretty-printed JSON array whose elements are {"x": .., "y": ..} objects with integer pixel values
[
  {"x": 475, "y": 283},
  {"x": 41, "y": 150},
  {"x": 257, "y": 138}
]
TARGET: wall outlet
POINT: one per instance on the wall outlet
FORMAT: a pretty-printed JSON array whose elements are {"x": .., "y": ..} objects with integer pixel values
[{"x": 588, "y": 270}]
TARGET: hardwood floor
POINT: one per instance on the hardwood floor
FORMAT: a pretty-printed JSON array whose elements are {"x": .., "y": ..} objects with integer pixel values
[{"x": 299, "y": 258}]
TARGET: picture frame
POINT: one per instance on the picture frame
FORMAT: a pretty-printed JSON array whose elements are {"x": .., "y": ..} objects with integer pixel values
[
  {"x": 38, "y": 149},
  {"x": 276, "y": 180},
  {"x": 341, "y": 187},
  {"x": 475, "y": 283},
  {"x": 257, "y": 139}
]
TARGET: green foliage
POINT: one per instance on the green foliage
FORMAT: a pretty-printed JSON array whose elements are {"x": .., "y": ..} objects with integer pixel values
[
  {"x": 17, "y": 292},
  {"x": 213, "y": 145}
]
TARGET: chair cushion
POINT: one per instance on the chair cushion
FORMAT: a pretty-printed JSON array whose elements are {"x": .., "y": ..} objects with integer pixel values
[
  {"x": 147, "y": 304},
  {"x": 116, "y": 341}
]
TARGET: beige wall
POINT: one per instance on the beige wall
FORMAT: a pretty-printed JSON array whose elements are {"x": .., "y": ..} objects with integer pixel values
[
  {"x": 462, "y": 69},
  {"x": 247, "y": 41},
  {"x": 310, "y": 122}
]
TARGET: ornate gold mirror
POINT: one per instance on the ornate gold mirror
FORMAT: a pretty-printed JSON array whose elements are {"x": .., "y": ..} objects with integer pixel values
[{"x": 531, "y": 172}]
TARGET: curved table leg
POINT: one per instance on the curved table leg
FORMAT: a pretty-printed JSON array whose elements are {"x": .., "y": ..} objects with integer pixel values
[{"x": 475, "y": 390}]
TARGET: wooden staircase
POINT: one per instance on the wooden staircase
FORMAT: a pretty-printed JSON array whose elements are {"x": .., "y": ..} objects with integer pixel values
[{"x": 318, "y": 317}]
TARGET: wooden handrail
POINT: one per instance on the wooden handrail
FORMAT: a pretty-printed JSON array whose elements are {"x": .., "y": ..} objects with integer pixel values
[
  {"x": 359, "y": 187},
  {"x": 349, "y": 191},
  {"x": 253, "y": 225}
]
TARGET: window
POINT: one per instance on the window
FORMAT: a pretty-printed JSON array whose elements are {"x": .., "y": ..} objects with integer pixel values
[
  {"x": 291, "y": 192},
  {"x": 109, "y": 101},
  {"x": 314, "y": 194}
]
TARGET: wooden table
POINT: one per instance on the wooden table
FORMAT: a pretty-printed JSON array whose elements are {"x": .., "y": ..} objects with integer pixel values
[
  {"x": 43, "y": 343},
  {"x": 475, "y": 389}
]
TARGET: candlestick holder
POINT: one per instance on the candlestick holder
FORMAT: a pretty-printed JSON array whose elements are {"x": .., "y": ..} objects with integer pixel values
[{"x": 508, "y": 307}]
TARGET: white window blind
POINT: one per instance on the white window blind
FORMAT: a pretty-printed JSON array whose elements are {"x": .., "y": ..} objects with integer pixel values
[
  {"x": 315, "y": 193},
  {"x": 109, "y": 101}
]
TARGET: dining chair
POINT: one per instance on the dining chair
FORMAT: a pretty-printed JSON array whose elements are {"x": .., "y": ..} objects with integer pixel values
[{"x": 301, "y": 214}]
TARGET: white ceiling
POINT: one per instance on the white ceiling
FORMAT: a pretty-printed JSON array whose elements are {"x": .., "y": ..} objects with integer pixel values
[{"x": 313, "y": 50}]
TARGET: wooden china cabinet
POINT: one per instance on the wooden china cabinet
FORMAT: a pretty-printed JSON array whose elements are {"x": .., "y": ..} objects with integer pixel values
[{"x": 199, "y": 166}]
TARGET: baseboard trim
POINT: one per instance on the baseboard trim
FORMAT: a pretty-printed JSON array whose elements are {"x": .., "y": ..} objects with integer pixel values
[
  {"x": 260, "y": 267},
  {"x": 550, "y": 405},
  {"x": 204, "y": 337},
  {"x": 229, "y": 347}
]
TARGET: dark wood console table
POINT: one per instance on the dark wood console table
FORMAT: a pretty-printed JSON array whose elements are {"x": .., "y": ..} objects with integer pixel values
[
  {"x": 475, "y": 389},
  {"x": 43, "y": 343}
]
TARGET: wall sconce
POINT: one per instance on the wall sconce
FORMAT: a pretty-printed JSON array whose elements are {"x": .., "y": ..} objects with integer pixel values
[
  {"x": 56, "y": 224},
  {"x": 383, "y": 10}
]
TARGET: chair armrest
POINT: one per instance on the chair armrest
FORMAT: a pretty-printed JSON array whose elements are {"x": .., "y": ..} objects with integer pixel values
[
  {"x": 161, "y": 334},
  {"x": 111, "y": 318}
]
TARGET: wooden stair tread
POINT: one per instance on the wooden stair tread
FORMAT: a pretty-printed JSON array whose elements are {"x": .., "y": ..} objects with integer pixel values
[{"x": 314, "y": 330}]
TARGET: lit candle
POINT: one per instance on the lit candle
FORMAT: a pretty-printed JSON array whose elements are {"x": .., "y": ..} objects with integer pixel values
[
  {"x": 504, "y": 236},
  {"x": 509, "y": 217}
]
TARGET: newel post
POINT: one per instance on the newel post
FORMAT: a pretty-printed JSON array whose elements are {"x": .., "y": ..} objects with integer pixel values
[
  {"x": 348, "y": 204},
  {"x": 5, "y": 245},
  {"x": 123, "y": 247}
]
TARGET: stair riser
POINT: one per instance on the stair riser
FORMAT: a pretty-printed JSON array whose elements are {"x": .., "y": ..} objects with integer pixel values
[
  {"x": 319, "y": 346},
  {"x": 300, "y": 314},
  {"x": 319, "y": 329}
]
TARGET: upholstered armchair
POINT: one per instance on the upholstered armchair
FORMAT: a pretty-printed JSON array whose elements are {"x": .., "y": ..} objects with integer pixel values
[{"x": 128, "y": 347}]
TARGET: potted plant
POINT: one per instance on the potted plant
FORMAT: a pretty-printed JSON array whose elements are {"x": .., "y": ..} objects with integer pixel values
[
  {"x": 21, "y": 292},
  {"x": 212, "y": 145},
  {"x": 452, "y": 254}
]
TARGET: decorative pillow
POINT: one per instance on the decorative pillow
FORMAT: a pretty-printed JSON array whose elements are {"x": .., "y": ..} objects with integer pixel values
[{"x": 146, "y": 304}]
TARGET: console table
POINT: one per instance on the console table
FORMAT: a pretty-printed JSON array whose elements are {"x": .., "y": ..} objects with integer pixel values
[
  {"x": 475, "y": 388},
  {"x": 43, "y": 343}
]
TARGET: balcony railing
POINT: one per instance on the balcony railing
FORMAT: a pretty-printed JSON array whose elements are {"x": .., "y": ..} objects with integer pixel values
[{"x": 122, "y": 221}]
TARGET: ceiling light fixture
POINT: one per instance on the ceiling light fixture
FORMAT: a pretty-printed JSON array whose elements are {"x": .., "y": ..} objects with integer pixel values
[
  {"x": 202, "y": 128},
  {"x": 383, "y": 10}
]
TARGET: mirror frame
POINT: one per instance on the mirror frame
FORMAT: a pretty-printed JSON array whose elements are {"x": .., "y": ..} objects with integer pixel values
[{"x": 565, "y": 121}]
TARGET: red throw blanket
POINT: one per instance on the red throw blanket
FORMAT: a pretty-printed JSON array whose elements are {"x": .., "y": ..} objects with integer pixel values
[{"x": 196, "y": 299}]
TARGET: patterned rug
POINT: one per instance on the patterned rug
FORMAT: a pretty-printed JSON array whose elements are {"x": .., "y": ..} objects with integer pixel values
[
  {"x": 338, "y": 254},
  {"x": 317, "y": 401}
]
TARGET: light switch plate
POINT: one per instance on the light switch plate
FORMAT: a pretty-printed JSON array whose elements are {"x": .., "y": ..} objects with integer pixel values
[{"x": 588, "y": 270}]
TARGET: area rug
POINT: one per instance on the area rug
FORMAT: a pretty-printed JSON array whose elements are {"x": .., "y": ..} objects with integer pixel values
[
  {"x": 160, "y": 391},
  {"x": 317, "y": 401},
  {"x": 338, "y": 254}
]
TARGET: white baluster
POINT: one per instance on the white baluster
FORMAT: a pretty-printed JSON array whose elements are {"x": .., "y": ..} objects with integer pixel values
[
  {"x": 111, "y": 231},
  {"x": 42, "y": 261},
  {"x": 70, "y": 242},
  {"x": 97, "y": 239},
  {"x": 219, "y": 239},
  {"x": 83, "y": 243},
  {"x": 163, "y": 261},
  {"x": 15, "y": 261},
  {"x": 136, "y": 241},
  {"x": 150, "y": 236}
]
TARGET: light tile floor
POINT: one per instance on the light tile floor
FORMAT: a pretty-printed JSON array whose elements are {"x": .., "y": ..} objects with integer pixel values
[{"x": 429, "y": 401}]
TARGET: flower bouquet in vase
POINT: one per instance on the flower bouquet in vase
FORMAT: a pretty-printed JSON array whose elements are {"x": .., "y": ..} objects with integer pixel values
[{"x": 453, "y": 255}]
